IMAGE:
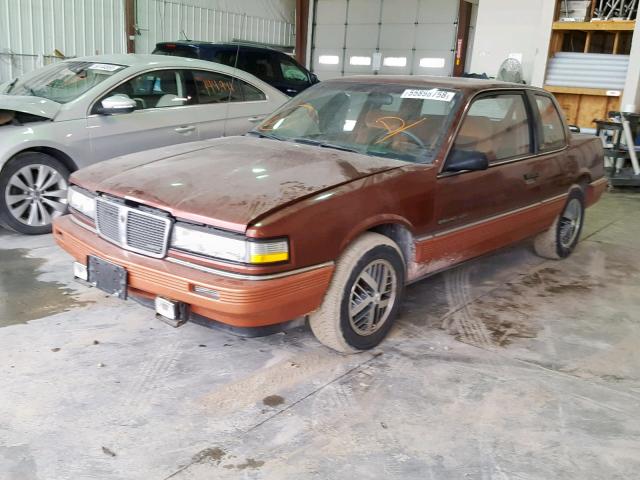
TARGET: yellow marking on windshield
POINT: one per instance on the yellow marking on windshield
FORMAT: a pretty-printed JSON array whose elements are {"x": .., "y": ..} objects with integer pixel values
[{"x": 402, "y": 128}]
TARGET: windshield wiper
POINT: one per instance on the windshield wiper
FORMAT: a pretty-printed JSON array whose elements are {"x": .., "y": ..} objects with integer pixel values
[
  {"x": 265, "y": 135},
  {"x": 318, "y": 143},
  {"x": 11, "y": 85}
]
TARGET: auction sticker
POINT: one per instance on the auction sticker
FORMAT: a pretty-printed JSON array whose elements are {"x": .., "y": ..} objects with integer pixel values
[
  {"x": 432, "y": 94},
  {"x": 105, "y": 67}
]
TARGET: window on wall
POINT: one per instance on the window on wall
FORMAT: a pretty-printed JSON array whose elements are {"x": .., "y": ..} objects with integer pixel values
[
  {"x": 429, "y": 62},
  {"x": 329, "y": 59},
  {"x": 553, "y": 135},
  {"x": 395, "y": 62},
  {"x": 497, "y": 126}
]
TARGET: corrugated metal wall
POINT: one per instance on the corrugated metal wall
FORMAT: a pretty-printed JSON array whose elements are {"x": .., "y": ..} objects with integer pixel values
[
  {"x": 30, "y": 31},
  {"x": 162, "y": 20}
]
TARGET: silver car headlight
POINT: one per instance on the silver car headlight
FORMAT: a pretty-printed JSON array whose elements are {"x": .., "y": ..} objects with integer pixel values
[
  {"x": 203, "y": 241},
  {"x": 82, "y": 201}
]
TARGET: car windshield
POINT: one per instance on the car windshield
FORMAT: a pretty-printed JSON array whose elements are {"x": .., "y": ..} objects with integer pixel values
[
  {"x": 65, "y": 81},
  {"x": 388, "y": 120}
]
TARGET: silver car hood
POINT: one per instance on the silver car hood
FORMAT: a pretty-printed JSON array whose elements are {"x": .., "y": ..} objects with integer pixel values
[{"x": 31, "y": 105}]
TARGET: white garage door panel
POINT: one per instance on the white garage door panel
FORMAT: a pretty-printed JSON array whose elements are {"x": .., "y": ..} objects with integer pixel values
[
  {"x": 399, "y": 12},
  {"x": 330, "y": 11},
  {"x": 407, "y": 30},
  {"x": 357, "y": 54},
  {"x": 437, "y": 11},
  {"x": 433, "y": 57},
  {"x": 436, "y": 37},
  {"x": 330, "y": 37},
  {"x": 397, "y": 36},
  {"x": 361, "y": 36},
  {"x": 363, "y": 11}
]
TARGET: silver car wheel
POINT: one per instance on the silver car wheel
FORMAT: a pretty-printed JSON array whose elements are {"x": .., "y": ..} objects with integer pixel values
[
  {"x": 36, "y": 194},
  {"x": 569, "y": 223},
  {"x": 372, "y": 297}
]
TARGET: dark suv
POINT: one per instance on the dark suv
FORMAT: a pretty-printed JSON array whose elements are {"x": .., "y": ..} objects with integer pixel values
[{"x": 271, "y": 66}]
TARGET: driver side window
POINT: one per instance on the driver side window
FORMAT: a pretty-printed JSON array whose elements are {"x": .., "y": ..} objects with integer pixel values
[
  {"x": 496, "y": 125},
  {"x": 156, "y": 89}
]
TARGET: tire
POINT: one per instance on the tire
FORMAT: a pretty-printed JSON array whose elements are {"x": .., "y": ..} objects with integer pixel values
[
  {"x": 562, "y": 237},
  {"x": 33, "y": 191},
  {"x": 332, "y": 323}
]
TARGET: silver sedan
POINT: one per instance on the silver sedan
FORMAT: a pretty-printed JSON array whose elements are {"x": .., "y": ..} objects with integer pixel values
[{"x": 81, "y": 111}]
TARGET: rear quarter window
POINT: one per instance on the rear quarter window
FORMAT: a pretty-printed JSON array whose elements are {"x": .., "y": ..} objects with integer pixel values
[{"x": 553, "y": 134}]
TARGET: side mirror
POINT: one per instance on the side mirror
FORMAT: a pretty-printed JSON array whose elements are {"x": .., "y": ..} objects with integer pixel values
[
  {"x": 314, "y": 79},
  {"x": 116, "y": 104},
  {"x": 460, "y": 160}
]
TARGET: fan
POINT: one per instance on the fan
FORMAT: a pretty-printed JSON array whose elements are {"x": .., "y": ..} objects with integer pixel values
[{"x": 510, "y": 71}]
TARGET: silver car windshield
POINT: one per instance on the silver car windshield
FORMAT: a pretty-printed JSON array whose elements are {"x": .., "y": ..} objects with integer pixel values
[
  {"x": 398, "y": 121},
  {"x": 65, "y": 81}
]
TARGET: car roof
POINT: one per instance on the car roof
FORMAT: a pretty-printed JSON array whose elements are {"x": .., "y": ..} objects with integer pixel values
[
  {"x": 461, "y": 83},
  {"x": 143, "y": 60},
  {"x": 214, "y": 45}
]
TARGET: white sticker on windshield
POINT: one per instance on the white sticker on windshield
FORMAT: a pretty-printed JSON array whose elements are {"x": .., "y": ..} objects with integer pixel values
[
  {"x": 105, "y": 67},
  {"x": 432, "y": 94}
]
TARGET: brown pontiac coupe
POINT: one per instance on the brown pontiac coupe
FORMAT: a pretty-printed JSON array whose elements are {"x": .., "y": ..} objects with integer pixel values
[{"x": 333, "y": 204}]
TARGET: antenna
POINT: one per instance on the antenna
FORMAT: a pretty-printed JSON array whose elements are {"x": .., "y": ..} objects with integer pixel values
[{"x": 233, "y": 78}]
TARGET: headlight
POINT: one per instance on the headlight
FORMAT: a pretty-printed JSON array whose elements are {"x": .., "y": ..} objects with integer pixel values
[
  {"x": 202, "y": 241},
  {"x": 82, "y": 201}
]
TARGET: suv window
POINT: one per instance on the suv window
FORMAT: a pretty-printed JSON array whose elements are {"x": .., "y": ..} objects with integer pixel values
[
  {"x": 215, "y": 87},
  {"x": 259, "y": 65},
  {"x": 291, "y": 72},
  {"x": 156, "y": 89},
  {"x": 174, "y": 50},
  {"x": 496, "y": 125},
  {"x": 552, "y": 126}
]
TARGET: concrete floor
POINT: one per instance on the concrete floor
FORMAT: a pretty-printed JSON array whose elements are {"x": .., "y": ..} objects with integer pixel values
[{"x": 509, "y": 367}]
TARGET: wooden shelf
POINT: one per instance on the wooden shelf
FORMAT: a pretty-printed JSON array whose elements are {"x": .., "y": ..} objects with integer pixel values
[
  {"x": 581, "y": 91},
  {"x": 606, "y": 26}
]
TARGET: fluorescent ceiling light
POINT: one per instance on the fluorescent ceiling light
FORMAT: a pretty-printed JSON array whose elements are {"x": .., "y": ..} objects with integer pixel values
[
  {"x": 432, "y": 62},
  {"x": 395, "y": 62},
  {"x": 365, "y": 61},
  {"x": 329, "y": 59}
]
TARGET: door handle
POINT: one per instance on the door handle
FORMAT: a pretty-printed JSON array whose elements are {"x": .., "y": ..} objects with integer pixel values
[
  {"x": 257, "y": 118},
  {"x": 531, "y": 177},
  {"x": 185, "y": 129}
]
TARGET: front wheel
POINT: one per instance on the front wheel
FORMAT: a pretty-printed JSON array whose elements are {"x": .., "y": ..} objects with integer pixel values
[
  {"x": 363, "y": 299},
  {"x": 33, "y": 191},
  {"x": 561, "y": 239}
]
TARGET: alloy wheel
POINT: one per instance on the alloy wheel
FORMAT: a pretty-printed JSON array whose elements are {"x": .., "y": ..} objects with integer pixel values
[
  {"x": 36, "y": 194},
  {"x": 372, "y": 297},
  {"x": 569, "y": 223}
]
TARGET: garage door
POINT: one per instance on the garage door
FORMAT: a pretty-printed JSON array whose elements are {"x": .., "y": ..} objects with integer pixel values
[{"x": 402, "y": 37}]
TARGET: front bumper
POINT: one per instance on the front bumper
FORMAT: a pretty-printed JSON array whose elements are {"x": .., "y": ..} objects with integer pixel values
[
  {"x": 240, "y": 303},
  {"x": 595, "y": 190}
]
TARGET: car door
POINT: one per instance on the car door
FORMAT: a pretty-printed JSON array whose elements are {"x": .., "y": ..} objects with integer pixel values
[
  {"x": 164, "y": 115},
  {"x": 477, "y": 211},
  {"x": 554, "y": 166},
  {"x": 228, "y": 105}
]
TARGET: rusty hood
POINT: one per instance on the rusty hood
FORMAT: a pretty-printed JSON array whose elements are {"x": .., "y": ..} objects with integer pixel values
[{"x": 230, "y": 182}]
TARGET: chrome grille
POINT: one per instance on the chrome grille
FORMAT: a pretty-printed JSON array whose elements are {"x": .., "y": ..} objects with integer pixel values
[{"x": 132, "y": 229}]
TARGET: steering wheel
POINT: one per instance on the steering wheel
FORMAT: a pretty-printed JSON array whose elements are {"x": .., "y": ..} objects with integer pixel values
[{"x": 406, "y": 133}]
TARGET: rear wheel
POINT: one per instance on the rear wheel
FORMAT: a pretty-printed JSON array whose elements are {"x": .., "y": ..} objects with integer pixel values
[
  {"x": 561, "y": 239},
  {"x": 364, "y": 296},
  {"x": 33, "y": 191}
]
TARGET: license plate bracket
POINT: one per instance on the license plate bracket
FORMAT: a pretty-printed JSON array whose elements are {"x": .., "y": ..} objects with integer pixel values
[{"x": 108, "y": 277}]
